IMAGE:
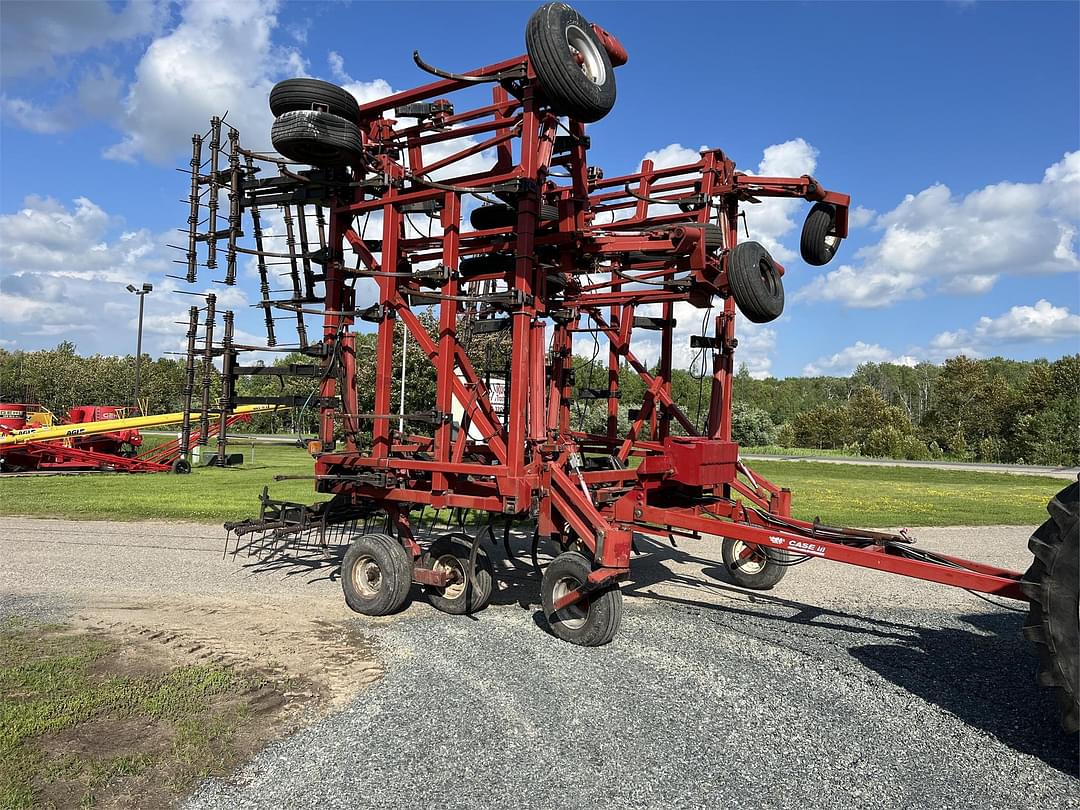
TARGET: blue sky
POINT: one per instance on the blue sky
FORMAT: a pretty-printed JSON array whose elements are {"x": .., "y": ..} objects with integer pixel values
[{"x": 954, "y": 127}]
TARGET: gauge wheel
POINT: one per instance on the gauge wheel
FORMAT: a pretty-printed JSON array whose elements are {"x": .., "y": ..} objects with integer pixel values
[
  {"x": 291, "y": 95},
  {"x": 753, "y": 566},
  {"x": 450, "y": 553},
  {"x": 376, "y": 574},
  {"x": 571, "y": 63},
  {"x": 589, "y": 623},
  {"x": 317, "y": 138},
  {"x": 819, "y": 242},
  {"x": 755, "y": 283}
]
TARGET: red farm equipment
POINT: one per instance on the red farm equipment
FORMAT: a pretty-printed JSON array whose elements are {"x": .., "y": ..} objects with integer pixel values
[
  {"x": 98, "y": 438},
  {"x": 555, "y": 250}
]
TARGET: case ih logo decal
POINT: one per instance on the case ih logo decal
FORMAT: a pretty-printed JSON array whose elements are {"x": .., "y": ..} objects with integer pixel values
[
  {"x": 776, "y": 541},
  {"x": 804, "y": 547}
]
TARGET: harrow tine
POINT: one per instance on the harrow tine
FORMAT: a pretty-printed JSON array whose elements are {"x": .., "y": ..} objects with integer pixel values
[
  {"x": 193, "y": 202},
  {"x": 212, "y": 203},
  {"x": 208, "y": 367},
  {"x": 234, "y": 205}
]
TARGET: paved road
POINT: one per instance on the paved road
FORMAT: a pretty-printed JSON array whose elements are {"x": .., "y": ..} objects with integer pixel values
[
  {"x": 1010, "y": 469},
  {"x": 841, "y": 688}
]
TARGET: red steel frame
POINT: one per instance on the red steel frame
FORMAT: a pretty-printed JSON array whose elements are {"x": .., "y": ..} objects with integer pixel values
[{"x": 613, "y": 254}]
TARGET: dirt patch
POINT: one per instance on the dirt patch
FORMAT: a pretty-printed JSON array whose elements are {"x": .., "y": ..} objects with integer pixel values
[
  {"x": 321, "y": 661},
  {"x": 144, "y": 700}
]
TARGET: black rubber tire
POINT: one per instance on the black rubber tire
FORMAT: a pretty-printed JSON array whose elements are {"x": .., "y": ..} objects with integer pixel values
[
  {"x": 593, "y": 621},
  {"x": 769, "y": 565},
  {"x": 485, "y": 263},
  {"x": 568, "y": 89},
  {"x": 453, "y": 551},
  {"x": 755, "y": 282},
  {"x": 376, "y": 574},
  {"x": 1052, "y": 583},
  {"x": 180, "y": 466},
  {"x": 313, "y": 94},
  {"x": 817, "y": 229},
  {"x": 316, "y": 138},
  {"x": 714, "y": 234},
  {"x": 489, "y": 217}
]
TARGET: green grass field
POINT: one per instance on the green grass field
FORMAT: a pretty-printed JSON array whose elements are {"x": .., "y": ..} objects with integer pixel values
[{"x": 838, "y": 494}]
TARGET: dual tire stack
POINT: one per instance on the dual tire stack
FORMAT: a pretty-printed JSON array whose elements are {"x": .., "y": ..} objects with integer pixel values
[{"x": 316, "y": 123}]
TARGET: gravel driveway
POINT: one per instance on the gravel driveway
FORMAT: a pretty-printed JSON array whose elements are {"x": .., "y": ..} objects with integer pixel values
[{"x": 839, "y": 688}]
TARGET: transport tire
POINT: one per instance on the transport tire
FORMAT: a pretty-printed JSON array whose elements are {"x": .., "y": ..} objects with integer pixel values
[
  {"x": 316, "y": 138},
  {"x": 312, "y": 94},
  {"x": 181, "y": 466},
  {"x": 753, "y": 566},
  {"x": 451, "y": 553},
  {"x": 556, "y": 37},
  {"x": 376, "y": 574},
  {"x": 592, "y": 621},
  {"x": 819, "y": 242},
  {"x": 755, "y": 282},
  {"x": 1051, "y": 583}
]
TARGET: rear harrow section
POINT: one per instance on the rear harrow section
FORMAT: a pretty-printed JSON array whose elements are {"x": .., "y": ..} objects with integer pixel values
[{"x": 463, "y": 222}]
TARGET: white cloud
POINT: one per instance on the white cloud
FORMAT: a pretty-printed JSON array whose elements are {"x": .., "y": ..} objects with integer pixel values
[
  {"x": 1042, "y": 322},
  {"x": 35, "y": 35},
  {"x": 962, "y": 245},
  {"x": 221, "y": 57},
  {"x": 851, "y": 357},
  {"x": 64, "y": 270},
  {"x": 97, "y": 98},
  {"x": 773, "y": 218}
]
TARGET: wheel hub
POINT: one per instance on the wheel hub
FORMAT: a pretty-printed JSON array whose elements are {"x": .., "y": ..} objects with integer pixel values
[
  {"x": 586, "y": 54},
  {"x": 367, "y": 576}
]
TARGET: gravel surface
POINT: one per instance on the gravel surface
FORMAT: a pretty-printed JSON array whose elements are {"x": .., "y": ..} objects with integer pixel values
[{"x": 840, "y": 688}]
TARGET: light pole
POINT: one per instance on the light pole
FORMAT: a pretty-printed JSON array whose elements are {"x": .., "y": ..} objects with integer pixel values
[{"x": 146, "y": 289}]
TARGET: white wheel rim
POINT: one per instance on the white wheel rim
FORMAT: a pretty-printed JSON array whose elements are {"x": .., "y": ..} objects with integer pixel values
[
  {"x": 452, "y": 565},
  {"x": 574, "y": 616},
  {"x": 367, "y": 576},
  {"x": 751, "y": 564},
  {"x": 592, "y": 62}
]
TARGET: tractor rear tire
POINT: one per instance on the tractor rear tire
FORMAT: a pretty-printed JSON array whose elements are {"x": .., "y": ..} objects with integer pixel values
[
  {"x": 312, "y": 94},
  {"x": 1051, "y": 583},
  {"x": 317, "y": 138},
  {"x": 755, "y": 567},
  {"x": 755, "y": 282},
  {"x": 819, "y": 242},
  {"x": 591, "y": 622},
  {"x": 376, "y": 575},
  {"x": 451, "y": 553},
  {"x": 556, "y": 37}
]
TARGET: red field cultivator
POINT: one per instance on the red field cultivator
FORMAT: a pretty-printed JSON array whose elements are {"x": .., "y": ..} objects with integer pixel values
[{"x": 524, "y": 239}]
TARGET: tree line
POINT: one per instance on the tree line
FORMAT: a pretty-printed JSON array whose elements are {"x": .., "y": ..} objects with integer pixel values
[{"x": 995, "y": 409}]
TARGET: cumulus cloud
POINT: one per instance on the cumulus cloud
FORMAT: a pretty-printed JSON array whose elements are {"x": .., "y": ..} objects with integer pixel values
[
  {"x": 221, "y": 57},
  {"x": 35, "y": 36},
  {"x": 851, "y": 357},
  {"x": 1042, "y": 322},
  {"x": 96, "y": 98},
  {"x": 773, "y": 218},
  {"x": 935, "y": 240},
  {"x": 64, "y": 268}
]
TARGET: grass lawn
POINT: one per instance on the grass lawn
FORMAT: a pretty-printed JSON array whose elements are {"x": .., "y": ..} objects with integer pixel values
[
  {"x": 839, "y": 494},
  {"x": 85, "y": 719},
  {"x": 853, "y": 495},
  {"x": 207, "y": 494}
]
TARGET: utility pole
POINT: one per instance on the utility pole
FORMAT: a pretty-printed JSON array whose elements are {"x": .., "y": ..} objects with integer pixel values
[{"x": 146, "y": 290}]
